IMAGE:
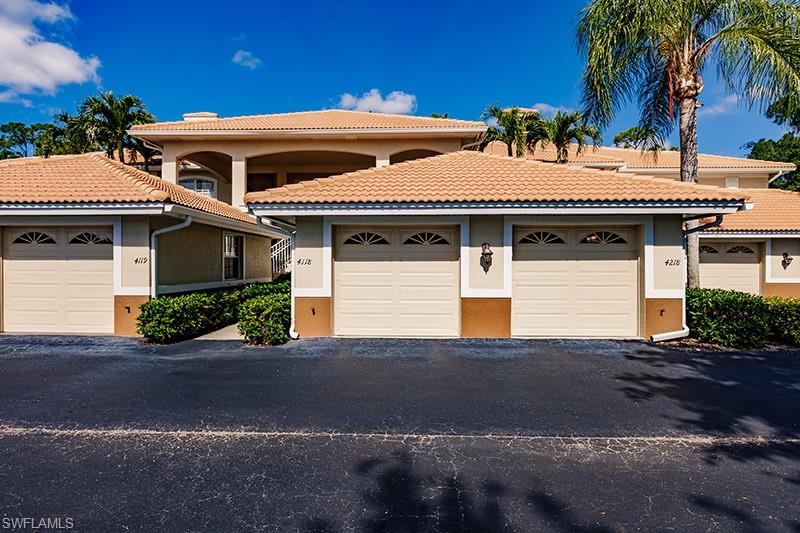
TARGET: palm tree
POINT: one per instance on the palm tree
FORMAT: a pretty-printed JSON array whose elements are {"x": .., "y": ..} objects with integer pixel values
[
  {"x": 655, "y": 52},
  {"x": 513, "y": 126},
  {"x": 111, "y": 117},
  {"x": 563, "y": 130}
]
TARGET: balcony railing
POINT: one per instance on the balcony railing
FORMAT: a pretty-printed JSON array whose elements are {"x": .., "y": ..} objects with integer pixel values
[{"x": 281, "y": 253}]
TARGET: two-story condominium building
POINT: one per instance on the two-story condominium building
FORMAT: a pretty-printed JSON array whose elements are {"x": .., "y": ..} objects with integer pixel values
[{"x": 399, "y": 228}]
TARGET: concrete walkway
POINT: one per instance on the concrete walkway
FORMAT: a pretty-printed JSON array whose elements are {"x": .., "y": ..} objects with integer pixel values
[{"x": 228, "y": 333}]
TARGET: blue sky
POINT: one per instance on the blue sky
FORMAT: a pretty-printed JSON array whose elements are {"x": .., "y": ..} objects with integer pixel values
[{"x": 441, "y": 56}]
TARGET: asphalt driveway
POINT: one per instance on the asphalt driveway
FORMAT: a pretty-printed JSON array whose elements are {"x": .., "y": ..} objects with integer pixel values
[{"x": 379, "y": 435}]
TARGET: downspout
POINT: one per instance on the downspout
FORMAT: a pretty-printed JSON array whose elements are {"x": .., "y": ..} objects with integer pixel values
[
  {"x": 154, "y": 251},
  {"x": 684, "y": 331},
  {"x": 288, "y": 235}
]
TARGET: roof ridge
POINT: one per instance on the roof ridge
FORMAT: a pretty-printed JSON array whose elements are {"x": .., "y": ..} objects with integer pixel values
[{"x": 143, "y": 127}]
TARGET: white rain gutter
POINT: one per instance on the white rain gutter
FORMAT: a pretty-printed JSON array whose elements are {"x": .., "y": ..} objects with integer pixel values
[
  {"x": 154, "y": 251},
  {"x": 288, "y": 235},
  {"x": 660, "y": 337}
]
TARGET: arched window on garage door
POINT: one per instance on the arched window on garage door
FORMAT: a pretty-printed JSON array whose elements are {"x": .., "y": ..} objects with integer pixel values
[
  {"x": 90, "y": 237},
  {"x": 603, "y": 237},
  {"x": 427, "y": 238},
  {"x": 542, "y": 237},
  {"x": 34, "y": 237},
  {"x": 366, "y": 238},
  {"x": 741, "y": 250},
  {"x": 706, "y": 249}
]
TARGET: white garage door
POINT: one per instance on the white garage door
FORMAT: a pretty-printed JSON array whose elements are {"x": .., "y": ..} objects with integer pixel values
[
  {"x": 58, "y": 280},
  {"x": 732, "y": 266},
  {"x": 572, "y": 282},
  {"x": 396, "y": 282}
]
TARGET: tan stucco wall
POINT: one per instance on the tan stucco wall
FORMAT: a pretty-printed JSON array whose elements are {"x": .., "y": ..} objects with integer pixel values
[
  {"x": 486, "y": 317},
  {"x": 308, "y": 253},
  {"x": 190, "y": 255},
  {"x": 792, "y": 246},
  {"x": 135, "y": 251},
  {"x": 486, "y": 229},
  {"x": 667, "y": 248},
  {"x": 313, "y": 317},
  {"x": 126, "y": 310},
  {"x": 258, "y": 263},
  {"x": 787, "y": 290},
  {"x": 662, "y": 315},
  {"x": 749, "y": 180}
]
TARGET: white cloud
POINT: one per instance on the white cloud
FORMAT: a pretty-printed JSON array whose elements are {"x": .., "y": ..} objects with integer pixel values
[
  {"x": 29, "y": 62},
  {"x": 246, "y": 59},
  {"x": 720, "y": 107},
  {"x": 396, "y": 102},
  {"x": 548, "y": 109}
]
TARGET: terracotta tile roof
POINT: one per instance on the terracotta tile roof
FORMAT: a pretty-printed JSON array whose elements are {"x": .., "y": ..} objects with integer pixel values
[
  {"x": 636, "y": 159},
  {"x": 328, "y": 119},
  {"x": 94, "y": 178},
  {"x": 773, "y": 210},
  {"x": 468, "y": 176},
  {"x": 548, "y": 154},
  {"x": 665, "y": 159}
]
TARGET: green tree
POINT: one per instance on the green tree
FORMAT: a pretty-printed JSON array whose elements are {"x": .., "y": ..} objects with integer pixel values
[
  {"x": 786, "y": 112},
  {"x": 440, "y": 115},
  {"x": 563, "y": 130},
  {"x": 109, "y": 118},
  {"x": 639, "y": 138},
  {"x": 18, "y": 139},
  {"x": 514, "y": 127},
  {"x": 68, "y": 134},
  {"x": 655, "y": 52},
  {"x": 786, "y": 149}
]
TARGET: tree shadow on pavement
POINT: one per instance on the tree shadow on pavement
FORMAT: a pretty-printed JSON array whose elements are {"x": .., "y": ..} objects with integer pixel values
[
  {"x": 724, "y": 394},
  {"x": 401, "y": 500}
]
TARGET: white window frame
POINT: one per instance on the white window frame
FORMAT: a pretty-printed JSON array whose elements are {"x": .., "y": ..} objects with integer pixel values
[
  {"x": 732, "y": 182},
  {"x": 184, "y": 179},
  {"x": 241, "y": 277}
]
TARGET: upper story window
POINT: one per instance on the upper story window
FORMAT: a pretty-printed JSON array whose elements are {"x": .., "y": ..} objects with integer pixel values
[
  {"x": 232, "y": 256},
  {"x": 205, "y": 186},
  {"x": 731, "y": 183}
]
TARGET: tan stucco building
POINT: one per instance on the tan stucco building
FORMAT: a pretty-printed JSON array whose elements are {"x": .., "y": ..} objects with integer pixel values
[{"x": 398, "y": 227}]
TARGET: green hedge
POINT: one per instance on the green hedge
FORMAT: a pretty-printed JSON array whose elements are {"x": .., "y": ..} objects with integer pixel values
[
  {"x": 266, "y": 319},
  {"x": 174, "y": 318},
  {"x": 729, "y": 318},
  {"x": 784, "y": 319}
]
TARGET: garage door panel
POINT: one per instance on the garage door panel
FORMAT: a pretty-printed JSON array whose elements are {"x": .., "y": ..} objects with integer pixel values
[
  {"x": 731, "y": 271},
  {"x": 396, "y": 289},
  {"x": 57, "y": 288},
  {"x": 573, "y": 289}
]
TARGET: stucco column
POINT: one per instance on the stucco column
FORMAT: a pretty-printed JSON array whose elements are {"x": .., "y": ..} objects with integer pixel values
[
  {"x": 382, "y": 158},
  {"x": 169, "y": 165},
  {"x": 238, "y": 180}
]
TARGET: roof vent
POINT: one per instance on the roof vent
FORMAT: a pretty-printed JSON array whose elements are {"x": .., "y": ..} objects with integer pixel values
[{"x": 200, "y": 115}]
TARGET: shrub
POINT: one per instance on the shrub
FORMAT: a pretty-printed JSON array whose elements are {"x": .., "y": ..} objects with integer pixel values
[
  {"x": 784, "y": 319},
  {"x": 279, "y": 286},
  {"x": 174, "y": 318},
  {"x": 730, "y": 318},
  {"x": 266, "y": 319}
]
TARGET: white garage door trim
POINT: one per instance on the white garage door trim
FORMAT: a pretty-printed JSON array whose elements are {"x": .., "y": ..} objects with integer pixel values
[
  {"x": 578, "y": 282},
  {"x": 396, "y": 281},
  {"x": 58, "y": 280},
  {"x": 731, "y": 265}
]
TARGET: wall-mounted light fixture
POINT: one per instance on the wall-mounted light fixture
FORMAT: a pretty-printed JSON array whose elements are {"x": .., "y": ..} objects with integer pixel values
[
  {"x": 787, "y": 260},
  {"x": 486, "y": 256}
]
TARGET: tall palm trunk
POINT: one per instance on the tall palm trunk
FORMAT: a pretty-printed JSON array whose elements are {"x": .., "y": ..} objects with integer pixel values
[
  {"x": 688, "y": 135},
  {"x": 121, "y": 150}
]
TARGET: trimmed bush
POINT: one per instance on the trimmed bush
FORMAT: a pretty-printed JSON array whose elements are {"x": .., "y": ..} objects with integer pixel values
[
  {"x": 266, "y": 319},
  {"x": 729, "y": 318},
  {"x": 279, "y": 286},
  {"x": 175, "y": 318},
  {"x": 784, "y": 319}
]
